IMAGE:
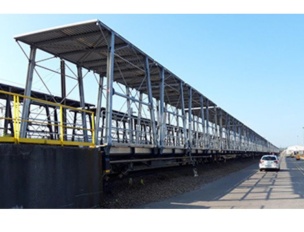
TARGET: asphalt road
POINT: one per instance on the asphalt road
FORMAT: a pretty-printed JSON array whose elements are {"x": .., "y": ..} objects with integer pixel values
[{"x": 247, "y": 189}]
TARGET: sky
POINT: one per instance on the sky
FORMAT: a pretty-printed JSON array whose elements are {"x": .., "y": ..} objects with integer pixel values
[{"x": 250, "y": 65}]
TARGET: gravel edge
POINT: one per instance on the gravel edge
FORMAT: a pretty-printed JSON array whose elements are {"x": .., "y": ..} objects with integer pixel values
[{"x": 129, "y": 193}]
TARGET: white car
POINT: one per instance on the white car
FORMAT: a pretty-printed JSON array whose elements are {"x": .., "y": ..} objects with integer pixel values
[{"x": 269, "y": 162}]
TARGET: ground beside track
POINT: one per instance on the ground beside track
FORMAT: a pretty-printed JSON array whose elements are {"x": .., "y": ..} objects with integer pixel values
[{"x": 122, "y": 194}]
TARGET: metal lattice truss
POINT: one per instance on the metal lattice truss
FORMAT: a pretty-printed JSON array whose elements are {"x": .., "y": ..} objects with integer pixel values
[{"x": 139, "y": 103}]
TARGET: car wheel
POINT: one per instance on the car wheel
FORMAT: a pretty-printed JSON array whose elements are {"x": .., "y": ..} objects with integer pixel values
[{"x": 261, "y": 170}]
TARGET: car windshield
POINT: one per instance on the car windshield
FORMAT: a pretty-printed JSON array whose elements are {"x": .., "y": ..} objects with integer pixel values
[{"x": 269, "y": 158}]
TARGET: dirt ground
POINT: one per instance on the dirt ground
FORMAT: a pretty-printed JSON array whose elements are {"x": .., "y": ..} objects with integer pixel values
[{"x": 129, "y": 193}]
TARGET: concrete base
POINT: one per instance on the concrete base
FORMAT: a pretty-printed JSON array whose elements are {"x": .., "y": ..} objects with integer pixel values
[{"x": 36, "y": 176}]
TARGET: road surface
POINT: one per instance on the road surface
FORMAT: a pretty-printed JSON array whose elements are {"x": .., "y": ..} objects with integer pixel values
[{"x": 247, "y": 189}]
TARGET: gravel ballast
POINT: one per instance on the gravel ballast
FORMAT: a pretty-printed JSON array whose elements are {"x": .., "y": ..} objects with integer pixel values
[{"x": 128, "y": 193}]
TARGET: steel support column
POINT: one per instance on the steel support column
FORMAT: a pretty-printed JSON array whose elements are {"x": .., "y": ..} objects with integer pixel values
[
  {"x": 183, "y": 115},
  {"x": 82, "y": 103},
  {"x": 227, "y": 144},
  {"x": 138, "y": 123},
  {"x": 110, "y": 79},
  {"x": 240, "y": 135},
  {"x": 245, "y": 139},
  {"x": 207, "y": 124},
  {"x": 196, "y": 119},
  {"x": 98, "y": 110},
  {"x": 220, "y": 130},
  {"x": 150, "y": 97},
  {"x": 161, "y": 108},
  {"x": 178, "y": 142},
  {"x": 215, "y": 129},
  {"x": 63, "y": 95},
  {"x": 190, "y": 118},
  {"x": 203, "y": 119},
  {"x": 190, "y": 144},
  {"x": 234, "y": 132},
  {"x": 27, "y": 92},
  {"x": 129, "y": 115}
]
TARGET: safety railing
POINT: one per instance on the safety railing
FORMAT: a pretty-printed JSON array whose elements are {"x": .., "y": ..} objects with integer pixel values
[{"x": 47, "y": 123}]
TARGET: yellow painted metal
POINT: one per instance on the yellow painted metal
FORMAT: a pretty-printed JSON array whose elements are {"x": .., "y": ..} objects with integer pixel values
[
  {"x": 40, "y": 141},
  {"x": 54, "y": 142},
  {"x": 61, "y": 124},
  {"x": 93, "y": 128},
  {"x": 6, "y": 139},
  {"x": 16, "y": 119},
  {"x": 73, "y": 143}
]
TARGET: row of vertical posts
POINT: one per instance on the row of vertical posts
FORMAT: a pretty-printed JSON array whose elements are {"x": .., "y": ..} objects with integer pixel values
[
  {"x": 216, "y": 135},
  {"x": 234, "y": 137},
  {"x": 28, "y": 89}
]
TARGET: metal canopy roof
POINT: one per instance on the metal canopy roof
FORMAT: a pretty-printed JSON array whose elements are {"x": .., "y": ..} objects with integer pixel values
[{"x": 86, "y": 45}]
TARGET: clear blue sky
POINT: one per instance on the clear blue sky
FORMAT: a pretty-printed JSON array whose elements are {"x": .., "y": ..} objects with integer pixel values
[{"x": 251, "y": 65}]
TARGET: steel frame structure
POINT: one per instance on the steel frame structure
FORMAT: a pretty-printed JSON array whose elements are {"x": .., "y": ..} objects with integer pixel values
[
  {"x": 45, "y": 120},
  {"x": 141, "y": 108}
]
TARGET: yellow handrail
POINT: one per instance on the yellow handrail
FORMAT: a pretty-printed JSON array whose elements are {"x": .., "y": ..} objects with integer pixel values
[{"x": 63, "y": 140}]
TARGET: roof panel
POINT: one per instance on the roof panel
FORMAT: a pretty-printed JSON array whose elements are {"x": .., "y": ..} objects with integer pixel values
[{"x": 85, "y": 44}]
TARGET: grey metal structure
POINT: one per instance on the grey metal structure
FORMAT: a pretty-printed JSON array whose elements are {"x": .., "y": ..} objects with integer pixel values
[{"x": 143, "y": 111}]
